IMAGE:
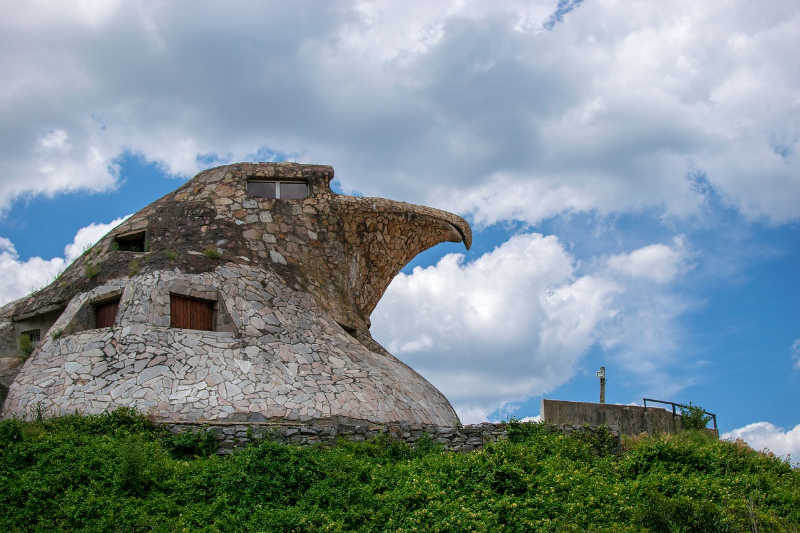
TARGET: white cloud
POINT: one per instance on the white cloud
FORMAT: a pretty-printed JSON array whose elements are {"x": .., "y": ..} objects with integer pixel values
[
  {"x": 517, "y": 321},
  {"x": 796, "y": 353},
  {"x": 87, "y": 236},
  {"x": 21, "y": 277},
  {"x": 656, "y": 262},
  {"x": 763, "y": 435},
  {"x": 606, "y": 112}
]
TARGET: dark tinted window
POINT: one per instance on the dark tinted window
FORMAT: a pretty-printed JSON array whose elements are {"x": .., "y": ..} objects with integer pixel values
[
  {"x": 293, "y": 191},
  {"x": 262, "y": 189},
  {"x": 131, "y": 243}
]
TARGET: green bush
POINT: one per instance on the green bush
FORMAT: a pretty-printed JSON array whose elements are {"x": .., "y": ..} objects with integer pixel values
[
  {"x": 10, "y": 431},
  {"x": 25, "y": 345},
  {"x": 133, "y": 267},
  {"x": 191, "y": 444},
  {"x": 120, "y": 472},
  {"x": 91, "y": 269},
  {"x": 211, "y": 252},
  {"x": 694, "y": 417}
]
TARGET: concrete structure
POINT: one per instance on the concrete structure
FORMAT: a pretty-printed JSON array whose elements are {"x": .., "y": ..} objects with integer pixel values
[
  {"x": 622, "y": 419},
  {"x": 243, "y": 296}
]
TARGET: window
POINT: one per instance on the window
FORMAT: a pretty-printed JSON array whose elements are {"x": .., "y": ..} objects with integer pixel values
[
  {"x": 283, "y": 190},
  {"x": 105, "y": 313},
  {"x": 133, "y": 242},
  {"x": 191, "y": 313},
  {"x": 34, "y": 335}
]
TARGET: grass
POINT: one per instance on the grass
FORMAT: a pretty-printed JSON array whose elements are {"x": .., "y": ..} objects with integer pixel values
[
  {"x": 212, "y": 253},
  {"x": 91, "y": 269},
  {"x": 133, "y": 267},
  {"x": 119, "y": 472}
]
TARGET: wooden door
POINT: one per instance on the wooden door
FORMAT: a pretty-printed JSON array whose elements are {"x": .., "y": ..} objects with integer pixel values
[
  {"x": 105, "y": 314},
  {"x": 191, "y": 313}
]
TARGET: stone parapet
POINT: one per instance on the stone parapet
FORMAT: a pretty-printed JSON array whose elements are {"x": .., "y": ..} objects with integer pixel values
[{"x": 234, "y": 435}]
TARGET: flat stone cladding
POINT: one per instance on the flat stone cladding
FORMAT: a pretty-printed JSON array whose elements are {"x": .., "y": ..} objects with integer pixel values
[
  {"x": 285, "y": 359},
  {"x": 328, "y": 431}
]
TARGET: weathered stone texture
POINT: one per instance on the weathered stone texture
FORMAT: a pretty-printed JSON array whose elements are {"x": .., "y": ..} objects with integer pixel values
[
  {"x": 329, "y": 430},
  {"x": 293, "y": 284}
]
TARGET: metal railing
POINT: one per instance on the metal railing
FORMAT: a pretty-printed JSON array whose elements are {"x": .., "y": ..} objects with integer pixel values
[{"x": 674, "y": 405}]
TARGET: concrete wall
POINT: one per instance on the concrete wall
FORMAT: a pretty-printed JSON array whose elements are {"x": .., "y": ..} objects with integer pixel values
[{"x": 626, "y": 419}]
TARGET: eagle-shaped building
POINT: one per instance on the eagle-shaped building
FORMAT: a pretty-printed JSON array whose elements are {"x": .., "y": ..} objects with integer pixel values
[{"x": 244, "y": 295}]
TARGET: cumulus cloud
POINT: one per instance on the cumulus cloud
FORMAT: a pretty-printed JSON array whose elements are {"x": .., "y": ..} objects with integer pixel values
[
  {"x": 656, "y": 262},
  {"x": 765, "y": 436},
  {"x": 525, "y": 109},
  {"x": 517, "y": 321},
  {"x": 21, "y": 277}
]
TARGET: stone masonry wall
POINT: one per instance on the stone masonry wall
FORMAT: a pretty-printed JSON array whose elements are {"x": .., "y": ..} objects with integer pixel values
[
  {"x": 283, "y": 359},
  {"x": 329, "y": 430}
]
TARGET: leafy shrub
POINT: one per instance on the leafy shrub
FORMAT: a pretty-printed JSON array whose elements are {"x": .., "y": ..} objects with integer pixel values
[
  {"x": 522, "y": 431},
  {"x": 10, "y": 431},
  {"x": 25, "y": 345},
  {"x": 133, "y": 267},
  {"x": 119, "y": 472},
  {"x": 191, "y": 444},
  {"x": 171, "y": 255},
  {"x": 140, "y": 466},
  {"x": 91, "y": 270},
  {"x": 694, "y": 417},
  {"x": 212, "y": 253}
]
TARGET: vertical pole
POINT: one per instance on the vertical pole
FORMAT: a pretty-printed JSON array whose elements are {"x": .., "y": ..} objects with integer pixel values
[{"x": 602, "y": 375}]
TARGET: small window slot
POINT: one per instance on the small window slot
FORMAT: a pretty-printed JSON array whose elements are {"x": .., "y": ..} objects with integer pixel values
[
  {"x": 133, "y": 242},
  {"x": 281, "y": 190}
]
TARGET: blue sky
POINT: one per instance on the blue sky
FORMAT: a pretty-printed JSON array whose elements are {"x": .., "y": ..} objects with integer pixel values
[{"x": 631, "y": 173}]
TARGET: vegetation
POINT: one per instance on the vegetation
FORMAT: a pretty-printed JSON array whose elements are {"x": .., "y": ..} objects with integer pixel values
[
  {"x": 25, "y": 345},
  {"x": 171, "y": 255},
  {"x": 212, "y": 252},
  {"x": 57, "y": 334},
  {"x": 133, "y": 267},
  {"x": 119, "y": 472},
  {"x": 694, "y": 417},
  {"x": 91, "y": 269}
]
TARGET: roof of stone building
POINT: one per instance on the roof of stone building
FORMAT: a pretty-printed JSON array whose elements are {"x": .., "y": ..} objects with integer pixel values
[{"x": 292, "y": 282}]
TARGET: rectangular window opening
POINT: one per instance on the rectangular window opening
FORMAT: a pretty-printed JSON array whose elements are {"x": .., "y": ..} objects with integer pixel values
[
  {"x": 34, "y": 335},
  {"x": 191, "y": 313},
  {"x": 105, "y": 313},
  {"x": 281, "y": 190},
  {"x": 133, "y": 242}
]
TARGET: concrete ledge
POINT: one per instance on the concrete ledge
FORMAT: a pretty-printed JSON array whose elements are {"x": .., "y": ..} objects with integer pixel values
[{"x": 624, "y": 419}]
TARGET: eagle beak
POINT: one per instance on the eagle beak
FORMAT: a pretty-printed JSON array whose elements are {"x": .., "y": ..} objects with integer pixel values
[{"x": 382, "y": 236}]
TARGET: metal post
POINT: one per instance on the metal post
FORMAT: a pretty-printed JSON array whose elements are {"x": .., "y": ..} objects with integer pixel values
[{"x": 602, "y": 375}]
